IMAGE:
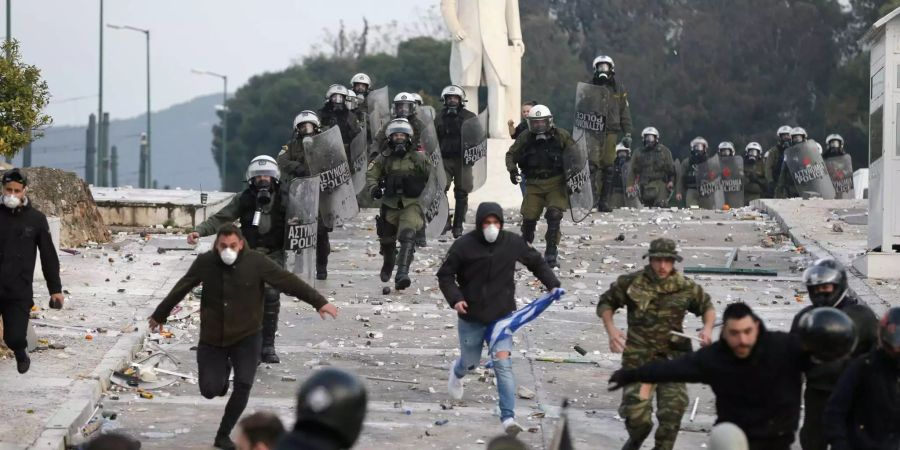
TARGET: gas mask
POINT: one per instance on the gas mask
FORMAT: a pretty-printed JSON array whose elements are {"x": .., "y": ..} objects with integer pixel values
[
  {"x": 650, "y": 141},
  {"x": 402, "y": 110},
  {"x": 797, "y": 139},
  {"x": 337, "y": 102},
  {"x": 305, "y": 129},
  {"x": 602, "y": 73},
  {"x": 263, "y": 191}
]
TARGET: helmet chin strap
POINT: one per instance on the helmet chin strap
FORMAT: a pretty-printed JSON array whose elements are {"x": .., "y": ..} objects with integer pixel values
[{"x": 840, "y": 299}]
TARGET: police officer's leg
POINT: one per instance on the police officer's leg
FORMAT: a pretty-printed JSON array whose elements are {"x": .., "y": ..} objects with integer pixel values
[
  {"x": 15, "y": 314},
  {"x": 410, "y": 219},
  {"x": 459, "y": 215},
  {"x": 271, "y": 307},
  {"x": 387, "y": 236},
  {"x": 604, "y": 161},
  {"x": 532, "y": 206},
  {"x": 813, "y": 432},
  {"x": 609, "y": 174},
  {"x": 557, "y": 202},
  {"x": 692, "y": 198},
  {"x": 637, "y": 411},
  {"x": 671, "y": 402},
  {"x": 323, "y": 249}
]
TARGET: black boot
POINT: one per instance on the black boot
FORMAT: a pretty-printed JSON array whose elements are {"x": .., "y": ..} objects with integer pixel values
[
  {"x": 606, "y": 189},
  {"x": 23, "y": 362},
  {"x": 404, "y": 259},
  {"x": 528, "y": 227},
  {"x": 323, "y": 249},
  {"x": 270, "y": 326},
  {"x": 224, "y": 442},
  {"x": 459, "y": 214},
  {"x": 420, "y": 238},
  {"x": 389, "y": 254},
  {"x": 553, "y": 235}
]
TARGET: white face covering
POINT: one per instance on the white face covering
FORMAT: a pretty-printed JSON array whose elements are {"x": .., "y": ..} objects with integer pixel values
[
  {"x": 491, "y": 232},
  {"x": 11, "y": 201},
  {"x": 228, "y": 256}
]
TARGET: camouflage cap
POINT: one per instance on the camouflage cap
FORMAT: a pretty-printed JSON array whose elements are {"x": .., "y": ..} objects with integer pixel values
[{"x": 663, "y": 248}]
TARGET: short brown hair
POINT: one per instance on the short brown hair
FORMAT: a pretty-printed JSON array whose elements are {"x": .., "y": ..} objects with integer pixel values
[
  {"x": 229, "y": 229},
  {"x": 262, "y": 428}
]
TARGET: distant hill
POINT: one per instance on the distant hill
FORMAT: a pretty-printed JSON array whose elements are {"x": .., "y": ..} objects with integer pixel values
[{"x": 182, "y": 136}]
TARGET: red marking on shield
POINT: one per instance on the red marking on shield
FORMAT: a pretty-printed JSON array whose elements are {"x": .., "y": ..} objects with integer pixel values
[
  {"x": 712, "y": 175},
  {"x": 806, "y": 161},
  {"x": 726, "y": 172}
]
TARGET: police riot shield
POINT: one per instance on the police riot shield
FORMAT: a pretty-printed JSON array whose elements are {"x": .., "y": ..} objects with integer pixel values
[
  {"x": 840, "y": 168},
  {"x": 473, "y": 170},
  {"x": 301, "y": 216},
  {"x": 429, "y": 140},
  {"x": 337, "y": 196},
  {"x": 733, "y": 180},
  {"x": 379, "y": 108},
  {"x": 358, "y": 161},
  {"x": 427, "y": 113},
  {"x": 578, "y": 180},
  {"x": 435, "y": 206},
  {"x": 808, "y": 170},
  {"x": 590, "y": 121},
  {"x": 633, "y": 199},
  {"x": 709, "y": 183}
]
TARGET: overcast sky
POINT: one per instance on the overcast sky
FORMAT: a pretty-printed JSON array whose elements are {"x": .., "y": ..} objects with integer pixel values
[{"x": 238, "y": 38}]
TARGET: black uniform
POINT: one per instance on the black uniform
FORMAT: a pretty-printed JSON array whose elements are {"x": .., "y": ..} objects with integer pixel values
[
  {"x": 449, "y": 131},
  {"x": 23, "y": 231},
  {"x": 344, "y": 119}
]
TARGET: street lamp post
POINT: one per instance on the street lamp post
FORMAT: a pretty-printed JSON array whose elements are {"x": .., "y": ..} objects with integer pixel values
[
  {"x": 224, "y": 119},
  {"x": 149, "y": 167}
]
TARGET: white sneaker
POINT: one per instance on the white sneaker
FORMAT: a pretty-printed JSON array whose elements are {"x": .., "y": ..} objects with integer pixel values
[
  {"x": 454, "y": 384},
  {"x": 512, "y": 427}
]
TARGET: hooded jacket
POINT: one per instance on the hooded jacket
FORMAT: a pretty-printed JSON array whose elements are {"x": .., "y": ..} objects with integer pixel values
[
  {"x": 24, "y": 231},
  {"x": 483, "y": 273}
]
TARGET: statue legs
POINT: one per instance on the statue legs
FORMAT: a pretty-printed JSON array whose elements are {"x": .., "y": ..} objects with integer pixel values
[{"x": 497, "y": 101}]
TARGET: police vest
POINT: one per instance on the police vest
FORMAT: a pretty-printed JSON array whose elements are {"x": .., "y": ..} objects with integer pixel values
[
  {"x": 274, "y": 238},
  {"x": 542, "y": 158}
]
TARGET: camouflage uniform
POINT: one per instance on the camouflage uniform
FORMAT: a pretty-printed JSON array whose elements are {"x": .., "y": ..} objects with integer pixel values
[
  {"x": 655, "y": 308},
  {"x": 755, "y": 184},
  {"x": 541, "y": 161},
  {"x": 651, "y": 170},
  {"x": 687, "y": 183},
  {"x": 292, "y": 162},
  {"x": 618, "y": 124},
  {"x": 403, "y": 179}
]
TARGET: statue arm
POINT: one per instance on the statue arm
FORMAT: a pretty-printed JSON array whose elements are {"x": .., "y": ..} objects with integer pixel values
[
  {"x": 514, "y": 27},
  {"x": 451, "y": 18}
]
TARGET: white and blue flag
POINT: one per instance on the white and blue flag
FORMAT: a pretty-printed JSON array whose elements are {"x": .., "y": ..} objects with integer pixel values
[{"x": 508, "y": 325}]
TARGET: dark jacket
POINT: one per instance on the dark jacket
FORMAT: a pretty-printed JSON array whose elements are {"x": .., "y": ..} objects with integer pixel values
[
  {"x": 231, "y": 306},
  {"x": 760, "y": 394},
  {"x": 483, "y": 274},
  {"x": 343, "y": 119},
  {"x": 306, "y": 440},
  {"x": 449, "y": 132},
  {"x": 23, "y": 231},
  {"x": 864, "y": 410}
]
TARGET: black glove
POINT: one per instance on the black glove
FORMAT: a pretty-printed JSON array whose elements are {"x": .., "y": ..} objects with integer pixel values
[
  {"x": 620, "y": 378},
  {"x": 626, "y": 141},
  {"x": 377, "y": 192},
  {"x": 514, "y": 177}
]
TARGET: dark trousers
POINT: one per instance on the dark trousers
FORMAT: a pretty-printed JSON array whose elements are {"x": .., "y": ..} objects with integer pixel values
[
  {"x": 812, "y": 435},
  {"x": 15, "y": 322},
  {"x": 215, "y": 365},
  {"x": 783, "y": 443}
]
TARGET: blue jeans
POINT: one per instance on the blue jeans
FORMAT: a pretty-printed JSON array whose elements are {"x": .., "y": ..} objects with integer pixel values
[{"x": 471, "y": 343}]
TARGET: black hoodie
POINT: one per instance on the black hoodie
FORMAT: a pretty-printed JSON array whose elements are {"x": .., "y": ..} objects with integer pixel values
[{"x": 483, "y": 273}]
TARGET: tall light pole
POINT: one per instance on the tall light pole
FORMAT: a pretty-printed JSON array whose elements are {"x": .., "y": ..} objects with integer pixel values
[
  {"x": 8, "y": 41},
  {"x": 149, "y": 166},
  {"x": 224, "y": 119},
  {"x": 101, "y": 145}
]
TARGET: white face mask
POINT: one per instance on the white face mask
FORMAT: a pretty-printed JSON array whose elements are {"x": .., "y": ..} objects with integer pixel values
[
  {"x": 228, "y": 256},
  {"x": 11, "y": 201},
  {"x": 491, "y": 232}
]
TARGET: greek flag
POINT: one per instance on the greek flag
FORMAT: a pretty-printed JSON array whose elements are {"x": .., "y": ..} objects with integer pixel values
[{"x": 509, "y": 324}]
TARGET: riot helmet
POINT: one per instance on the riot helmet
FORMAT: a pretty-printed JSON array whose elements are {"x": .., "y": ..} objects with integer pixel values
[
  {"x": 826, "y": 282},
  {"x": 352, "y": 101},
  {"x": 404, "y": 105},
  {"x": 417, "y": 98},
  {"x": 540, "y": 120},
  {"x": 360, "y": 83},
  {"x": 650, "y": 136},
  {"x": 604, "y": 68},
  {"x": 699, "y": 146},
  {"x": 306, "y": 123},
  {"x": 753, "y": 151},
  {"x": 399, "y": 133},
  {"x": 784, "y": 134},
  {"x": 263, "y": 177},
  {"x": 726, "y": 148},
  {"x": 334, "y": 401},
  {"x": 889, "y": 333},
  {"x": 453, "y": 97},
  {"x": 336, "y": 96},
  {"x": 622, "y": 151},
  {"x": 798, "y": 135},
  {"x": 827, "y": 333},
  {"x": 835, "y": 144}
]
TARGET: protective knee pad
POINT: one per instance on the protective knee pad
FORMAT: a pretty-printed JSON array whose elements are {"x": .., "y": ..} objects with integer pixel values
[
  {"x": 528, "y": 227},
  {"x": 460, "y": 194},
  {"x": 272, "y": 298},
  {"x": 553, "y": 215},
  {"x": 406, "y": 236}
]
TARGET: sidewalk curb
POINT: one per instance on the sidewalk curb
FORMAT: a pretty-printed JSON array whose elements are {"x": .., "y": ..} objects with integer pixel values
[
  {"x": 856, "y": 280},
  {"x": 85, "y": 394}
]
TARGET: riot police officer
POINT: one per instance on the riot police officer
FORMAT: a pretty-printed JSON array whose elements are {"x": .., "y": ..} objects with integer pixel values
[
  {"x": 688, "y": 183},
  {"x": 774, "y": 157},
  {"x": 449, "y": 130},
  {"x": 652, "y": 170},
  {"x": 334, "y": 113},
  {"x": 293, "y": 163},
  {"x": 331, "y": 408},
  {"x": 834, "y": 146},
  {"x": 397, "y": 177},
  {"x": 360, "y": 84},
  {"x": 617, "y": 198},
  {"x": 755, "y": 185},
  {"x": 539, "y": 154},
  {"x": 785, "y": 187},
  {"x": 404, "y": 107},
  {"x": 617, "y": 127},
  {"x": 260, "y": 210}
]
